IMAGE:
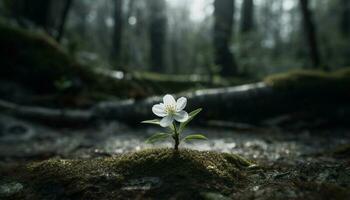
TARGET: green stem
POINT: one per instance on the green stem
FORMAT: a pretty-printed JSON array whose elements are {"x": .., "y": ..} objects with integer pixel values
[{"x": 176, "y": 138}]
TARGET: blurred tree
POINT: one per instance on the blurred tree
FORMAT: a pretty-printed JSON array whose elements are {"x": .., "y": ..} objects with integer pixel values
[
  {"x": 82, "y": 21},
  {"x": 248, "y": 38},
  {"x": 157, "y": 32},
  {"x": 310, "y": 33},
  {"x": 135, "y": 43},
  {"x": 117, "y": 30},
  {"x": 247, "y": 16},
  {"x": 223, "y": 25},
  {"x": 66, "y": 8},
  {"x": 345, "y": 17}
]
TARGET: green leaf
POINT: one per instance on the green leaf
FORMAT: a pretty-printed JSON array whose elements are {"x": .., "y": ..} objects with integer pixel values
[
  {"x": 172, "y": 127},
  {"x": 157, "y": 137},
  {"x": 157, "y": 122},
  {"x": 191, "y": 116},
  {"x": 153, "y": 121},
  {"x": 195, "y": 137}
]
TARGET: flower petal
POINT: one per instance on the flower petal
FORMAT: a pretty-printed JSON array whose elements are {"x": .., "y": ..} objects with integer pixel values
[
  {"x": 166, "y": 121},
  {"x": 159, "y": 110},
  {"x": 181, "y": 103},
  {"x": 169, "y": 100},
  {"x": 181, "y": 116}
]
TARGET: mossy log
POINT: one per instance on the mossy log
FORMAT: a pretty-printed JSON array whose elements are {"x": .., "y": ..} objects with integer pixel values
[
  {"x": 279, "y": 94},
  {"x": 153, "y": 173}
]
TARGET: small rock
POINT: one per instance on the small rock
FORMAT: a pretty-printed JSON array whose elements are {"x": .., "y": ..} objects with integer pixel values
[
  {"x": 213, "y": 196},
  {"x": 9, "y": 189},
  {"x": 144, "y": 183},
  {"x": 281, "y": 175},
  {"x": 323, "y": 177},
  {"x": 2, "y": 128},
  {"x": 256, "y": 188},
  {"x": 17, "y": 129},
  {"x": 254, "y": 167}
]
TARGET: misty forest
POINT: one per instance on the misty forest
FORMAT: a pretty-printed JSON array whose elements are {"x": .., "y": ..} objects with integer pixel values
[{"x": 175, "y": 99}]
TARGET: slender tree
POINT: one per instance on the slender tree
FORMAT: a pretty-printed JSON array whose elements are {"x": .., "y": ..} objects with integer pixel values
[
  {"x": 310, "y": 33},
  {"x": 157, "y": 32},
  {"x": 345, "y": 17},
  {"x": 64, "y": 16},
  {"x": 117, "y": 30},
  {"x": 247, "y": 16},
  {"x": 223, "y": 25}
]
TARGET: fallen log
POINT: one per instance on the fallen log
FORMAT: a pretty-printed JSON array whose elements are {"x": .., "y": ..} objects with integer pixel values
[
  {"x": 250, "y": 103},
  {"x": 279, "y": 94},
  {"x": 49, "y": 116},
  {"x": 217, "y": 103}
]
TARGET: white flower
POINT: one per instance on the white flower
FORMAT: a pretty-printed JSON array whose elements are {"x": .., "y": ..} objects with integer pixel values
[{"x": 171, "y": 110}]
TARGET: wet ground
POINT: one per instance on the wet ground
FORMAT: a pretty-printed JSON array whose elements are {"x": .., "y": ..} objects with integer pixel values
[
  {"x": 292, "y": 162},
  {"x": 21, "y": 140}
]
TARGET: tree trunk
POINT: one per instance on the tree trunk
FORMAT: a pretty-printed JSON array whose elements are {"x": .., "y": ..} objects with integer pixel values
[
  {"x": 117, "y": 31},
  {"x": 345, "y": 17},
  {"x": 157, "y": 30},
  {"x": 223, "y": 25},
  {"x": 247, "y": 16},
  {"x": 66, "y": 8},
  {"x": 310, "y": 32}
]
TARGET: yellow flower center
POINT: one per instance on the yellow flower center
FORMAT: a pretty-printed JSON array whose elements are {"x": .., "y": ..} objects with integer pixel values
[{"x": 170, "y": 109}]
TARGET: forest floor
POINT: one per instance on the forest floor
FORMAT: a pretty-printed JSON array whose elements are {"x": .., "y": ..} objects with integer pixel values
[
  {"x": 289, "y": 163},
  {"x": 302, "y": 160}
]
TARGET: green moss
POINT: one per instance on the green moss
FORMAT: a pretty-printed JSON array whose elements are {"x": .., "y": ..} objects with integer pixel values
[
  {"x": 185, "y": 173},
  {"x": 162, "y": 83},
  {"x": 310, "y": 79}
]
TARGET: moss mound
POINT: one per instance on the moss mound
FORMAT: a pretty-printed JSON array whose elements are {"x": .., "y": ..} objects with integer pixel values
[
  {"x": 155, "y": 173},
  {"x": 311, "y": 79}
]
